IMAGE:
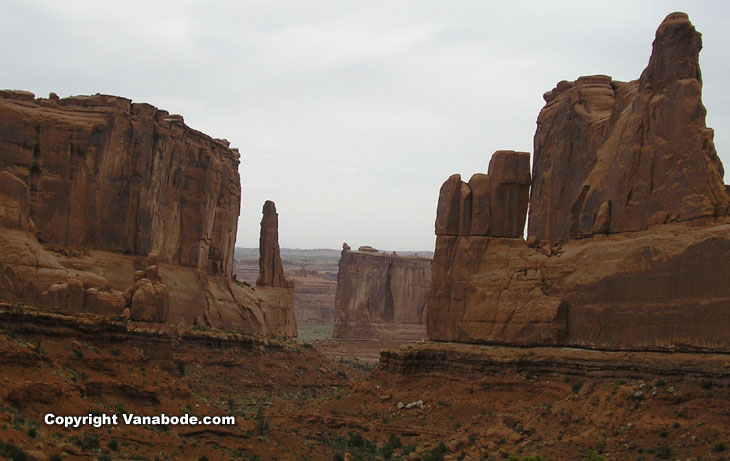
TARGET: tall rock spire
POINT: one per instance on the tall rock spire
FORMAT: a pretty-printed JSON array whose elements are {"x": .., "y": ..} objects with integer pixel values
[
  {"x": 614, "y": 157},
  {"x": 271, "y": 270}
]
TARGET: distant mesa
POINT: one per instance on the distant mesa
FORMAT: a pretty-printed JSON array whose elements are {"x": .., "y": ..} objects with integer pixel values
[
  {"x": 628, "y": 233},
  {"x": 380, "y": 295},
  {"x": 119, "y": 208},
  {"x": 367, "y": 249}
]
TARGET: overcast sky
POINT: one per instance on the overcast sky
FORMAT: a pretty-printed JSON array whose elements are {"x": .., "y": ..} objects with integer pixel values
[{"x": 349, "y": 114}]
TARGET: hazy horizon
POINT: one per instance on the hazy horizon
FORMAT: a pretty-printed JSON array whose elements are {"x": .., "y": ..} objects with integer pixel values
[{"x": 350, "y": 115}]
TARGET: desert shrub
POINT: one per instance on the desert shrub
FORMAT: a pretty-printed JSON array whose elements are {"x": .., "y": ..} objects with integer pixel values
[
  {"x": 663, "y": 452},
  {"x": 435, "y": 454},
  {"x": 592, "y": 455},
  {"x": 525, "y": 458},
  {"x": 12, "y": 452},
  {"x": 88, "y": 441},
  {"x": 262, "y": 426}
]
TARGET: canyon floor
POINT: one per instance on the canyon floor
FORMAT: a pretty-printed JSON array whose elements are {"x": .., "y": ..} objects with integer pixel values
[{"x": 291, "y": 402}]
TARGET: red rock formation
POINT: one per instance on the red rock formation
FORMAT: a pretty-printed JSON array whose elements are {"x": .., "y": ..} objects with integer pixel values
[
  {"x": 149, "y": 300},
  {"x": 271, "y": 270},
  {"x": 103, "y": 182},
  {"x": 487, "y": 289},
  {"x": 14, "y": 202},
  {"x": 492, "y": 204},
  {"x": 380, "y": 295},
  {"x": 615, "y": 157},
  {"x": 610, "y": 158},
  {"x": 313, "y": 273},
  {"x": 108, "y": 174}
]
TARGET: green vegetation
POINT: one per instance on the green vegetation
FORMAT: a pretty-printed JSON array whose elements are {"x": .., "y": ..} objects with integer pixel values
[
  {"x": 526, "y": 458},
  {"x": 12, "y": 452},
  {"x": 357, "y": 364},
  {"x": 311, "y": 333},
  {"x": 663, "y": 452},
  {"x": 362, "y": 449},
  {"x": 88, "y": 441},
  {"x": 435, "y": 454},
  {"x": 262, "y": 426},
  {"x": 592, "y": 455}
]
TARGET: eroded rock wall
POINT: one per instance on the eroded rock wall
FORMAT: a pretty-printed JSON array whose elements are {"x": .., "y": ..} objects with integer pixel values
[
  {"x": 492, "y": 204},
  {"x": 616, "y": 157},
  {"x": 628, "y": 238},
  {"x": 108, "y": 174},
  {"x": 93, "y": 188},
  {"x": 381, "y": 295}
]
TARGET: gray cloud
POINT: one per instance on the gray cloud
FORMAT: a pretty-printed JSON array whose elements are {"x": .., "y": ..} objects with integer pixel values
[{"x": 349, "y": 114}]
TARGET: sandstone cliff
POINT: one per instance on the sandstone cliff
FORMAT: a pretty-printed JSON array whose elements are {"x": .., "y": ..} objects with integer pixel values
[
  {"x": 615, "y": 157},
  {"x": 108, "y": 174},
  {"x": 381, "y": 295},
  {"x": 90, "y": 186},
  {"x": 492, "y": 204},
  {"x": 628, "y": 241}
]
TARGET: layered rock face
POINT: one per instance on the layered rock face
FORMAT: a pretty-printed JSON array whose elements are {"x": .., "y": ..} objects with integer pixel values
[
  {"x": 492, "y": 204},
  {"x": 314, "y": 297},
  {"x": 616, "y": 157},
  {"x": 380, "y": 295},
  {"x": 628, "y": 241},
  {"x": 92, "y": 185},
  {"x": 483, "y": 286},
  {"x": 108, "y": 174}
]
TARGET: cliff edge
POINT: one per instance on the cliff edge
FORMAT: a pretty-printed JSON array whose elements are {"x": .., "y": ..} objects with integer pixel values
[{"x": 114, "y": 207}]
